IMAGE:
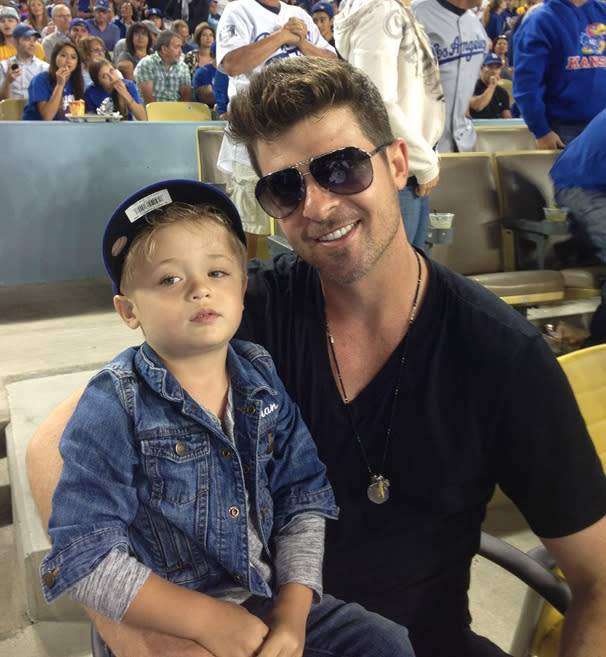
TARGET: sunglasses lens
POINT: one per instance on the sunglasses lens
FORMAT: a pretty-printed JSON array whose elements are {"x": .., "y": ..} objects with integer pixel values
[
  {"x": 346, "y": 171},
  {"x": 280, "y": 193}
]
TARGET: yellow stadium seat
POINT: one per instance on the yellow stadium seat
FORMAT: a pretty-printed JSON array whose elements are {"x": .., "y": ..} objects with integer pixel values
[
  {"x": 11, "y": 109},
  {"x": 178, "y": 111}
]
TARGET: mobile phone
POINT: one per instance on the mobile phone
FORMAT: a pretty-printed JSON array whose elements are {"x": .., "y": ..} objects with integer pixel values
[{"x": 15, "y": 66}]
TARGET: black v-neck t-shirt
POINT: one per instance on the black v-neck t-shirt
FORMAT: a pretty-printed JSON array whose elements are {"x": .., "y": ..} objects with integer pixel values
[{"x": 482, "y": 401}]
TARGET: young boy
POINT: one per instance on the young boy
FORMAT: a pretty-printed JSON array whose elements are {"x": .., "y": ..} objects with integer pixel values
[{"x": 192, "y": 500}]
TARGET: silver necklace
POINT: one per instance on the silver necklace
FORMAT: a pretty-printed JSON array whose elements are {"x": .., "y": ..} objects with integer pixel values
[{"x": 378, "y": 488}]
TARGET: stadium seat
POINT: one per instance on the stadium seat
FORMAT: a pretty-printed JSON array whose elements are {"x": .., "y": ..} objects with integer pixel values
[
  {"x": 209, "y": 140},
  {"x": 547, "y": 599},
  {"x": 178, "y": 111},
  {"x": 467, "y": 188},
  {"x": 11, "y": 109},
  {"x": 495, "y": 138}
]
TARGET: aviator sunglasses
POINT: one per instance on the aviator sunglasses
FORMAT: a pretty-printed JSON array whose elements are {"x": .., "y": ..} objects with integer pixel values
[{"x": 344, "y": 171}]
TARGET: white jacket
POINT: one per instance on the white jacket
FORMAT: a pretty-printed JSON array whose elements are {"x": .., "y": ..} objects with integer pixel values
[{"x": 382, "y": 38}]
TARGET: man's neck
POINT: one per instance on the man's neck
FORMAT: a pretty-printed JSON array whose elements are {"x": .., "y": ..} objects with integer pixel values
[
  {"x": 578, "y": 3},
  {"x": 26, "y": 58},
  {"x": 372, "y": 298}
]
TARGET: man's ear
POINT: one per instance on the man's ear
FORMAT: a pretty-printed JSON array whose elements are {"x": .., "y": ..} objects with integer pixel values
[
  {"x": 126, "y": 309},
  {"x": 397, "y": 154}
]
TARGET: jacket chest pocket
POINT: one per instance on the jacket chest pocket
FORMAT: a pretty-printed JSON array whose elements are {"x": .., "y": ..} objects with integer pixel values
[{"x": 177, "y": 467}]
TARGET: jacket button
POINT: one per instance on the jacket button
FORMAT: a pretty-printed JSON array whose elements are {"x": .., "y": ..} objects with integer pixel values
[
  {"x": 234, "y": 512},
  {"x": 237, "y": 578},
  {"x": 270, "y": 447},
  {"x": 49, "y": 577},
  {"x": 246, "y": 468},
  {"x": 226, "y": 453},
  {"x": 180, "y": 448}
]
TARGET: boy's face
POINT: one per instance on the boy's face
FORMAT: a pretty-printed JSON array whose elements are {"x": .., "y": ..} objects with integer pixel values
[{"x": 187, "y": 297}]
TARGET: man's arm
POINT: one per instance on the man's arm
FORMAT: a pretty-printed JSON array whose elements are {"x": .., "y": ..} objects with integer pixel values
[
  {"x": 147, "y": 91},
  {"x": 185, "y": 93},
  {"x": 299, "y": 26},
  {"x": 581, "y": 558},
  {"x": 6, "y": 80},
  {"x": 245, "y": 59},
  {"x": 479, "y": 102},
  {"x": 42, "y": 458}
]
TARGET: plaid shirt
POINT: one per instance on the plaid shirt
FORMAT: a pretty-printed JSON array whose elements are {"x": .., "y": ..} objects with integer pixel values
[{"x": 167, "y": 80}]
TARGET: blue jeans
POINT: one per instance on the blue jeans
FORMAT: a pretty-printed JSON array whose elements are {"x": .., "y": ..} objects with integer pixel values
[
  {"x": 415, "y": 213},
  {"x": 587, "y": 216},
  {"x": 568, "y": 130},
  {"x": 339, "y": 629}
]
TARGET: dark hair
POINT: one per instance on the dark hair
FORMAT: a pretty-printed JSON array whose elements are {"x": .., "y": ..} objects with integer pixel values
[
  {"x": 290, "y": 90},
  {"x": 130, "y": 33},
  {"x": 76, "y": 80},
  {"x": 119, "y": 101},
  {"x": 200, "y": 27}
]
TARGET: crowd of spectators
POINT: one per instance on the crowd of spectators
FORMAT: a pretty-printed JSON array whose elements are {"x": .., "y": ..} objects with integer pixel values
[
  {"x": 129, "y": 29},
  {"x": 496, "y": 59}
]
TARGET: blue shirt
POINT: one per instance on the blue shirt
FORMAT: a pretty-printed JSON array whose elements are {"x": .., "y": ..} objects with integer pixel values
[
  {"x": 40, "y": 90},
  {"x": 560, "y": 64},
  {"x": 220, "y": 85},
  {"x": 110, "y": 35},
  {"x": 147, "y": 469},
  {"x": 204, "y": 75},
  {"x": 94, "y": 96},
  {"x": 582, "y": 163}
]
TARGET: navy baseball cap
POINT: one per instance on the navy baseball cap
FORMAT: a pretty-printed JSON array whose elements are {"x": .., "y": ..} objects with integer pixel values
[
  {"x": 130, "y": 217},
  {"x": 24, "y": 30},
  {"x": 325, "y": 7},
  {"x": 491, "y": 58},
  {"x": 78, "y": 21},
  {"x": 102, "y": 5},
  {"x": 154, "y": 11}
]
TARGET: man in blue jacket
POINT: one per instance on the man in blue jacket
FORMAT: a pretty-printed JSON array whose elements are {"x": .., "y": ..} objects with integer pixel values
[{"x": 560, "y": 69}]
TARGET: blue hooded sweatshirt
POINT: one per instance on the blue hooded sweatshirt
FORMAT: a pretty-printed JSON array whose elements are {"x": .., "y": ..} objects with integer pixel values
[
  {"x": 582, "y": 163},
  {"x": 560, "y": 64}
]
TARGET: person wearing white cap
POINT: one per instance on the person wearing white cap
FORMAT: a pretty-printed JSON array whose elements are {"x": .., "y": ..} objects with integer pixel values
[{"x": 17, "y": 72}]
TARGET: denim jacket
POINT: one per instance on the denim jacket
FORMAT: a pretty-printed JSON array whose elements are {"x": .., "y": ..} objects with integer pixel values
[{"x": 147, "y": 470}]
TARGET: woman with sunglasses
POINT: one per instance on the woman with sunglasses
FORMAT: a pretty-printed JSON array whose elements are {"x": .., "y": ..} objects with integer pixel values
[
  {"x": 50, "y": 91},
  {"x": 107, "y": 84},
  {"x": 383, "y": 39}
]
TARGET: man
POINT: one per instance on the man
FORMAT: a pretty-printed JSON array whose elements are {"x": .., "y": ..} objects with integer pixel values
[
  {"x": 161, "y": 76},
  {"x": 17, "y": 72},
  {"x": 489, "y": 100},
  {"x": 560, "y": 69},
  {"x": 101, "y": 26},
  {"x": 579, "y": 178},
  {"x": 78, "y": 29},
  {"x": 323, "y": 16},
  {"x": 459, "y": 43},
  {"x": 9, "y": 19},
  {"x": 421, "y": 389},
  {"x": 62, "y": 17},
  {"x": 251, "y": 34},
  {"x": 384, "y": 40}
]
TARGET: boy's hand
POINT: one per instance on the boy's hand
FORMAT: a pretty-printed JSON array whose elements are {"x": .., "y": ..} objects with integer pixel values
[
  {"x": 232, "y": 631},
  {"x": 287, "y": 622}
]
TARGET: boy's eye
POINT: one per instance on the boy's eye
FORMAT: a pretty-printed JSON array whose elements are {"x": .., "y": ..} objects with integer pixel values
[
  {"x": 217, "y": 273},
  {"x": 170, "y": 280}
]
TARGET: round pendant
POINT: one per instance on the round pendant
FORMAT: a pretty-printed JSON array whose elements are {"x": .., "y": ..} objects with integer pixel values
[{"x": 378, "y": 489}]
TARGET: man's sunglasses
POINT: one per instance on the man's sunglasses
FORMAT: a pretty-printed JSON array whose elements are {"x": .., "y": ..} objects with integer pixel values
[{"x": 345, "y": 171}]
